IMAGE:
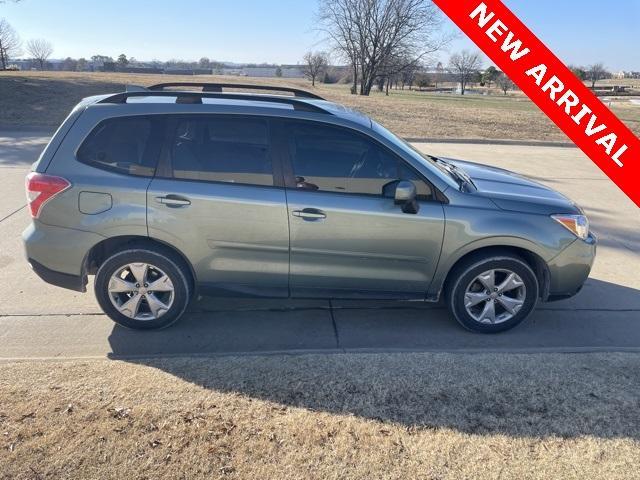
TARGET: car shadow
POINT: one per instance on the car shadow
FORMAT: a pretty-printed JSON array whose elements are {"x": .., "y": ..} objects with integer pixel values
[{"x": 385, "y": 376}]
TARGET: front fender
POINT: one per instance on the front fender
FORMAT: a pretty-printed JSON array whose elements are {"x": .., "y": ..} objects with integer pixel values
[{"x": 471, "y": 229}]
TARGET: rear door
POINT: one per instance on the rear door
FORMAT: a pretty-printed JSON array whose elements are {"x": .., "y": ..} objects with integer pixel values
[
  {"x": 218, "y": 197},
  {"x": 347, "y": 238}
]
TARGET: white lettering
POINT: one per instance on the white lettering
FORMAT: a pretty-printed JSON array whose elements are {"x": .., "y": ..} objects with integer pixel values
[
  {"x": 554, "y": 85},
  {"x": 497, "y": 27},
  {"x": 578, "y": 118},
  {"x": 590, "y": 130},
  {"x": 616, "y": 157},
  {"x": 484, "y": 18},
  {"x": 516, "y": 54},
  {"x": 569, "y": 100},
  {"x": 608, "y": 142},
  {"x": 538, "y": 73}
]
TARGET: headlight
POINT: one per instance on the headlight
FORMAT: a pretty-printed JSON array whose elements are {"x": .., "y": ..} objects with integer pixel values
[{"x": 576, "y": 224}]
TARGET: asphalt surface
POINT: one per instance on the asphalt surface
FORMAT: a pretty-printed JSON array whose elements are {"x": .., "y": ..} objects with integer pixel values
[{"x": 41, "y": 321}]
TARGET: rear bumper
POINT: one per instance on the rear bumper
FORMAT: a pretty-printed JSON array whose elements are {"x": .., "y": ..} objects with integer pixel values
[
  {"x": 57, "y": 254},
  {"x": 569, "y": 271},
  {"x": 59, "y": 279}
]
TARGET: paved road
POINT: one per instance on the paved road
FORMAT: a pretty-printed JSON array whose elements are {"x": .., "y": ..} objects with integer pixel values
[{"x": 40, "y": 321}]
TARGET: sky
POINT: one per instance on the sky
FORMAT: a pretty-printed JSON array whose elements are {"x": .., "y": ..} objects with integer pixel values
[{"x": 580, "y": 32}]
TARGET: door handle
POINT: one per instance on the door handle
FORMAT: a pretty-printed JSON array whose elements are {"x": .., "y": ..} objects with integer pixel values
[
  {"x": 173, "y": 201},
  {"x": 309, "y": 214}
]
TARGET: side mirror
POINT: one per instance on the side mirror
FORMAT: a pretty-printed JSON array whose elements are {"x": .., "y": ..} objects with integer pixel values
[{"x": 404, "y": 193}]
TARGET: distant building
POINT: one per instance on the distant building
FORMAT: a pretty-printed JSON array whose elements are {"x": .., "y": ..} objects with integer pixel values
[{"x": 622, "y": 75}]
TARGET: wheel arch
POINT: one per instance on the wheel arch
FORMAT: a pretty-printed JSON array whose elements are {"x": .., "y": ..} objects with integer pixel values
[
  {"x": 532, "y": 258},
  {"x": 107, "y": 247}
]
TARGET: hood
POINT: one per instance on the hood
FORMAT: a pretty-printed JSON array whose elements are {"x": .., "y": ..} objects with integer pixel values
[{"x": 514, "y": 192}]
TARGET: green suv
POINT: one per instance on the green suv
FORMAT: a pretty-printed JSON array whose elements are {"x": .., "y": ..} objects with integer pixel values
[{"x": 166, "y": 191}]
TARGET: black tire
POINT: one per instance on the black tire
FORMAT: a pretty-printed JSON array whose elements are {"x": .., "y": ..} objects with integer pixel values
[
  {"x": 465, "y": 273},
  {"x": 163, "y": 260}
]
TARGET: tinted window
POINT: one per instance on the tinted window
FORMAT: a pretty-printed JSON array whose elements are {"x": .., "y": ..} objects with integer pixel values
[
  {"x": 222, "y": 149},
  {"x": 332, "y": 159},
  {"x": 122, "y": 145}
]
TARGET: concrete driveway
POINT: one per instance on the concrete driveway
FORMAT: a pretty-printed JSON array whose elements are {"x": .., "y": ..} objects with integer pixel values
[{"x": 41, "y": 321}]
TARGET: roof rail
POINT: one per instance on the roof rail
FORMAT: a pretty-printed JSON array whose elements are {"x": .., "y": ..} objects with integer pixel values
[
  {"x": 196, "y": 98},
  {"x": 134, "y": 88},
  {"x": 217, "y": 88}
]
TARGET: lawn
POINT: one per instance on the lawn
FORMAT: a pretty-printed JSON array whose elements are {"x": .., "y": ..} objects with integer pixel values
[
  {"x": 356, "y": 416},
  {"x": 43, "y": 99}
]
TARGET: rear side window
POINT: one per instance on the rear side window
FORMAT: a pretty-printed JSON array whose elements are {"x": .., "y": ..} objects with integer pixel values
[
  {"x": 123, "y": 145},
  {"x": 331, "y": 159},
  {"x": 222, "y": 149}
]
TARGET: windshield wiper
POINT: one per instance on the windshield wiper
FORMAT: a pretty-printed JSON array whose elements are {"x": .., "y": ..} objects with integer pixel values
[{"x": 458, "y": 174}]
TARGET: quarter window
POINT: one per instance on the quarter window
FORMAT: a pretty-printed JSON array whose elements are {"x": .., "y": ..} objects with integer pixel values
[
  {"x": 122, "y": 145},
  {"x": 332, "y": 159},
  {"x": 222, "y": 149}
]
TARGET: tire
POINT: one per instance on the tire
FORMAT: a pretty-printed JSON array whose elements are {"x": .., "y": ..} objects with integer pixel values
[
  {"x": 510, "y": 308},
  {"x": 163, "y": 270}
]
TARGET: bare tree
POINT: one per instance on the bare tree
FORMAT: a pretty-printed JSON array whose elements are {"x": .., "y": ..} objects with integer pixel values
[
  {"x": 70, "y": 65},
  {"x": 578, "y": 71},
  {"x": 504, "y": 82},
  {"x": 122, "y": 60},
  {"x": 315, "y": 64},
  {"x": 465, "y": 64},
  {"x": 82, "y": 64},
  {"x": 9, "y": 43},
  {"x": 440, "y": 74},
  {"x": 423, "y": 80},
  {"x": 408, "y": 76},
  {"x": 596, "y": 72},
  {"x": 40, "y": 50},
  {"x": 490, "y": 75},
  {"x": 368, "y": 33}
]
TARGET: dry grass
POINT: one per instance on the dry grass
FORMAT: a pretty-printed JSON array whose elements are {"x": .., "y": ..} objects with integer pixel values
[
  {"x": 324, "y": 417},
  {"x": 43, "y": 99}
]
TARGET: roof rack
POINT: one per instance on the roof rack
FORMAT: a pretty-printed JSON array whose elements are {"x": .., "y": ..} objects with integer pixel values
[
  {"x": 218, "y": 88},
  {"x": 196, "y": 98}
]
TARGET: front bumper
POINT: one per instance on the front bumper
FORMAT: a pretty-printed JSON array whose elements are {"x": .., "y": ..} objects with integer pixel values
[{"x": 570, "y": 269}]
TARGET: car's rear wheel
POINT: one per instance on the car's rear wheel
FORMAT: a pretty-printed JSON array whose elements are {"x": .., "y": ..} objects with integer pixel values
[
  {"x": 492, "y": 294},
  {"x": 143, "y": 289}
]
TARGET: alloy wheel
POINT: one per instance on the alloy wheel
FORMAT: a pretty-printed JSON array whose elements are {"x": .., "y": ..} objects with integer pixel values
[
  {"x": 495, "y": 296},
  {"x": 141, "y": 291}
]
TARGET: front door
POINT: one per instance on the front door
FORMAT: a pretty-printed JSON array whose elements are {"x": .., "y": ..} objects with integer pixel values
[
  {"x": 347, "y": 239},
  {"x": 215, "y": 199}
]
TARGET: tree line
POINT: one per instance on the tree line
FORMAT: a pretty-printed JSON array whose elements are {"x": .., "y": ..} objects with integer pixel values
[
  {"x": 11, "y": 46},
  {"x": 384, "y": 43}
]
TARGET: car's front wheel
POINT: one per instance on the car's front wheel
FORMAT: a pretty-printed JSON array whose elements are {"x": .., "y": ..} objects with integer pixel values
[
  {"x": 143, "y": 288},
  {"x": 492, "y": 294}
]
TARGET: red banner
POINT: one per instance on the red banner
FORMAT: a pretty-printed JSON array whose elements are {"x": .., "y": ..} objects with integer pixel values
[{"x": 553, "y": 87}]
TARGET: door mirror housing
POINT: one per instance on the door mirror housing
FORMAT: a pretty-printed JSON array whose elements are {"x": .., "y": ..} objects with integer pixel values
[{"x": 404, "y": 193}]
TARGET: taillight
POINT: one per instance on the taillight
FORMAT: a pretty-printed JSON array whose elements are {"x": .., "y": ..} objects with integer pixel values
[{"x": 41, "y": 188}]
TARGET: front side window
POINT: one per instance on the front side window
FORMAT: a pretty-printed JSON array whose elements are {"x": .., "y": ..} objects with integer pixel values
[
  {"x": 121, "y": 145},
  {"x": 333, "y": 159},
  {"x": 222, "y": 149}
]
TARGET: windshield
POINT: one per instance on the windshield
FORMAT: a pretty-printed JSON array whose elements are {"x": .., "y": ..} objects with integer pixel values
[{"x": 430, "y": 162}]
